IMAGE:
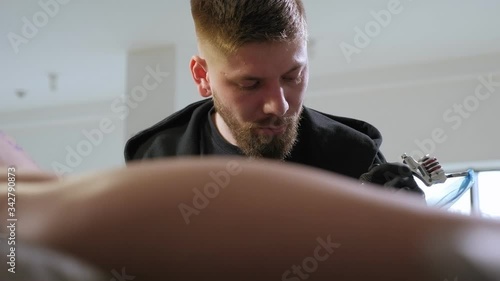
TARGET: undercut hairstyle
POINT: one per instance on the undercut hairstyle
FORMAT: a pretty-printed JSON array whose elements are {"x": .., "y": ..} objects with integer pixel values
[{"x": 226, "y": 25}]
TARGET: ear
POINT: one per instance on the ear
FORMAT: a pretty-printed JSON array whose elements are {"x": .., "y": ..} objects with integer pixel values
[{"x": 199, "y": 71}]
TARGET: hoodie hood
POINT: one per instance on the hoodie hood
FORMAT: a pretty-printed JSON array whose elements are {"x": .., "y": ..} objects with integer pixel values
[{"x": 325, "y": 141}]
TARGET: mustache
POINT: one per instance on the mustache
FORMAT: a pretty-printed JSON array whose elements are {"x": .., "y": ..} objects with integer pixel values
[{"x": 276, "y": 121}]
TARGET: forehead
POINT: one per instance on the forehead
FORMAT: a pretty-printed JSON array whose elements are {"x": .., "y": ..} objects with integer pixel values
[{"x": 264, "y": 59}]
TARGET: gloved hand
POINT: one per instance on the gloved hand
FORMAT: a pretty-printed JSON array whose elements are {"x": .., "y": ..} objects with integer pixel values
[{"x": 392, "y": 175}]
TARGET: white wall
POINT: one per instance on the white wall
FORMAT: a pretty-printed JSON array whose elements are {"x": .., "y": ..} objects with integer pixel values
[
  {"x": 186, "y": 91},
  {"x": 71, "y": 138},
  {"x": 407, "y": 103},
  {"x": 410, "y": 103},
  {"x": 81, "y": 137},
  {"x": 105, "y": 59},
  {"x": 151, "y": 87}
]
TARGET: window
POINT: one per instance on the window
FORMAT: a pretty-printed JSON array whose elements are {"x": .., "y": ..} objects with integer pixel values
[
  {"x": 483, "y": 197},
  {"x": 489, "y": 194}
]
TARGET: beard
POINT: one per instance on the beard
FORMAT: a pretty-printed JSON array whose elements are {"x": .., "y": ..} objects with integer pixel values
[{"x": 257, "y": 145}]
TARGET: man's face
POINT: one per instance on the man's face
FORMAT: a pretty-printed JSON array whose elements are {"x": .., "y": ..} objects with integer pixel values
[{"x": 258, "y": 93}]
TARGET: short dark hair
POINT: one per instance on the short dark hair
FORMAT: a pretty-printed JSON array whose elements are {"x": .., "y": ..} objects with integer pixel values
[{"x": 229, "y": 24}]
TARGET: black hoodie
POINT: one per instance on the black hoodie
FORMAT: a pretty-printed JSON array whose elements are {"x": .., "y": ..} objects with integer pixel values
[{"x": 337, "y": 144}]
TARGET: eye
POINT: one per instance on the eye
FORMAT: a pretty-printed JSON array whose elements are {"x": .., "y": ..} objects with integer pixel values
[
  {"x": 250, "y": 85},
  {"x": 297, "y": 79}
]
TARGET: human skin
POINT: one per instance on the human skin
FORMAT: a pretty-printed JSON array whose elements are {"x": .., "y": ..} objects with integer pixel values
[
  {"x": 13, "y": 158},
  {"x": 11, "y": 154},
  {"x": 266, "y": 218},
  {"x": 259, "y": 82},
  {"x": 23, "y": 175}
]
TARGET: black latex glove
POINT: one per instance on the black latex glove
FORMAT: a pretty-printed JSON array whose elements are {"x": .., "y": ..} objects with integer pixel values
[{"x": 392, "y": 175}]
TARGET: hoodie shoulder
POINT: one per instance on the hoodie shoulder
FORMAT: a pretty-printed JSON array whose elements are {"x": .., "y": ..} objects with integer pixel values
[
  {"x": 348, "y": 127},
  {"x": 339, "y": 144},
  {"x": 165, "y": 138}
]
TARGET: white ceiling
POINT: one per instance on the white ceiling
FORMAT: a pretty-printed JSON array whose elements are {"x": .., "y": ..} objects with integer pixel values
[{"x": 86, "y": 41}]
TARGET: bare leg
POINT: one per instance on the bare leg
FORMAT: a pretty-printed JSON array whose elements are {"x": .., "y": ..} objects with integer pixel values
[{"x": 231, "y": 219}]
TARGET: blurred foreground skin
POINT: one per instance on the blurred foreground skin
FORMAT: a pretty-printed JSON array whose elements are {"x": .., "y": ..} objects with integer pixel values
[
  {"x": 27, "y": 175},
  {"x": 235, "y": 219},
  {"x": 11, "y": 154}
]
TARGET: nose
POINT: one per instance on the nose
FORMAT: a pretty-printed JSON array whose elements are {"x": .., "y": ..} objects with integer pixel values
[{"x": 275, "y": 101}]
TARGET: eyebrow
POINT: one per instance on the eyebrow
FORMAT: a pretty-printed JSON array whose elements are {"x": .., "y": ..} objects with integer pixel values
[{"x": 255, "y": 78}]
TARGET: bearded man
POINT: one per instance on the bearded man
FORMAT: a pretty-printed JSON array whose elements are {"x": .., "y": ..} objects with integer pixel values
[{"x": 252, "y": 70}]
